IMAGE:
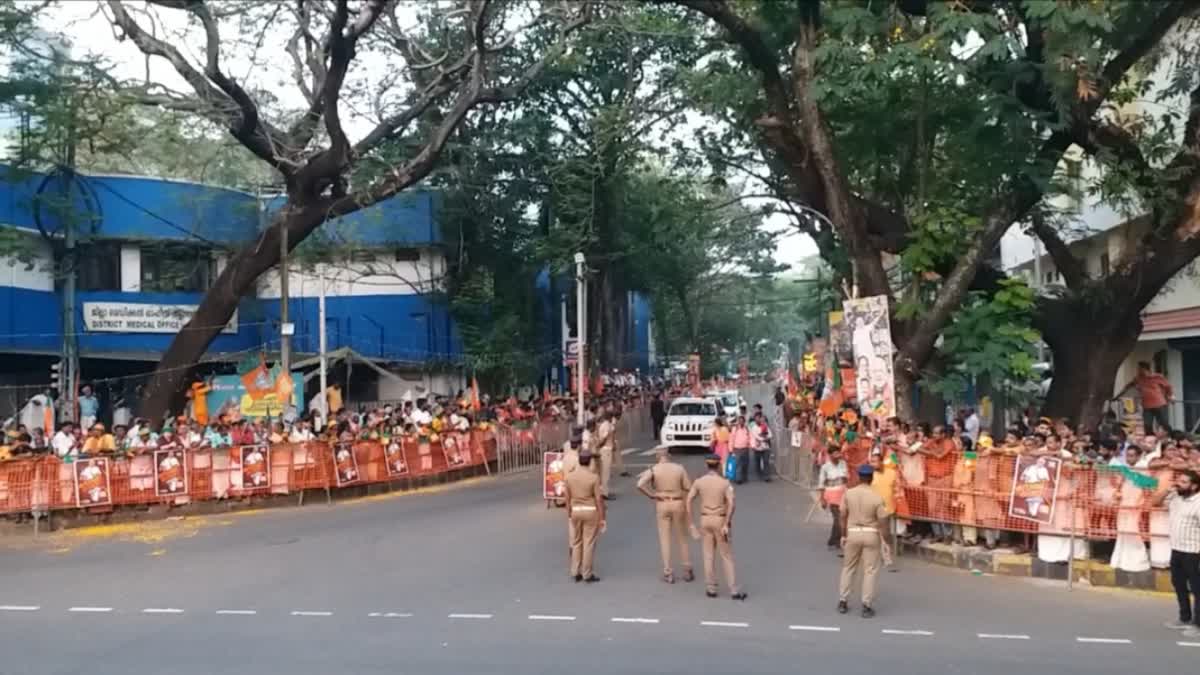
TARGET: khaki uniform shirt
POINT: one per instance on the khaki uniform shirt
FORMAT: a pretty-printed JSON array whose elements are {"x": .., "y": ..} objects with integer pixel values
[
  {"x": 604, "y": 434},
  {"x": 570, "y": 460},
  {"x": 668, "y": 480},
  {"x": 584, "y": 488},
  {"x": 714, "y": 492},
  {"x": 863, "y": 507}
]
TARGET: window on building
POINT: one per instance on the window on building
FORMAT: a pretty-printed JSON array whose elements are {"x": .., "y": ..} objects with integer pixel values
[
  {"x": 99, "y": 267},
  {"x": 408, "y": 254},
  {"x": 361, "y": 255},
  {"x": 168, "y": 268},
  {"x": 1104, "y": 263},
  {"x": 1160, "y": 361}
]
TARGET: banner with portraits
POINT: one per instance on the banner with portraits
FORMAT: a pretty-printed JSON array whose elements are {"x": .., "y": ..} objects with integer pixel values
[
  {"x": 254, "y": 467},
  {"x": 170, "y": 473},
  {"x": 554, "y": 483},
  {"x": 393, "y": 457},
  {"x": 457, "y": 449},
  {"x": 867, "y": 326},
  {"x": 1034, "y": 488},
  {"x": 345, "y": 463},
  {"x": 92, "y": 482}
]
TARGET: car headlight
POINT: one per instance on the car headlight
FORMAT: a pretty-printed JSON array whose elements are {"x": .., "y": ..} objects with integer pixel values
[
  {"x": 708, "y": 437},
  {"x": 670, "y": 437}
]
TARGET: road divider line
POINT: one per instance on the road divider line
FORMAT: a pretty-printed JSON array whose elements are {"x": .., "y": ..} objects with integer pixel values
[
  {"x": 1002, "y": 636},
  {"x": 896, "y": 631},
  {"x": 19, "y": 608},
  {"x": 550, "y": 617},
  {"x": 237, "y": 612},
  {"x": 630, "y": 451},
  {"x": 818, "y": 629},
  {"x": 91, "y": 610},
  {"x": 162, "y": 610},
  {"x": 725, "y": 624},
  {"x": 390, "y": 615},
  {"x": 647, "y": 453},
  {"x": 470, "y": 616},
  {"x": 1188, "y": 644},
  {"x": 1103, "y": 641},
  {"x": 301, "y": 612},
  {"x": 632, "y": 619}
]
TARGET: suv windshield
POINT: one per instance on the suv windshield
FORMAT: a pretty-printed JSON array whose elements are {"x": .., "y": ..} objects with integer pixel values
[{"x": 706, "y": 409}]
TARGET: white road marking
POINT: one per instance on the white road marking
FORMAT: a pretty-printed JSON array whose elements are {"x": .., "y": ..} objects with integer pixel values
[
  {"x": 19, "y": 608},
  {"x": 91, "y": 610},
  {"x": 308, "y": 613},
  {"x": 162, "y": 610},
  {"x": 819, "y": 629},
  {"x": 1188, "y": 644},
  {"x": 647, "y": 453},
  {"x": 390, "y": 615},
  {"x": 1001, "y": 636},
  {"x": 238, "y": 612},
  {"x": 894, "y": 631},
  {"x": 725, "y": 624},
  {"x": 1104, "y": 641},
  {"x": 630, "y": 451},
  {"x": 470, "y": 616},
  {"x": 550, "y": 617},
  {"x": 632, "y": 619}
]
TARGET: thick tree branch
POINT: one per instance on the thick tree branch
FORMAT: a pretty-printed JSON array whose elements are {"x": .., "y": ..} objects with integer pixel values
[{"x": 1067, "y": 263}]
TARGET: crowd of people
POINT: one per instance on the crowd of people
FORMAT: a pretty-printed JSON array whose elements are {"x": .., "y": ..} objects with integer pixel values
[{"x": 1130, "y": 496}]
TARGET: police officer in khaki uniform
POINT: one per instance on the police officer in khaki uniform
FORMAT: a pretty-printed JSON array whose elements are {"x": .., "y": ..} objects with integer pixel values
[
  {"x": 716, "y": 525},
  {"x": 864, "y": 520},
  {"x": 585, "y": 510},
  {"x": 604, "y": 442},
  {"x": 671, "y": 485}
]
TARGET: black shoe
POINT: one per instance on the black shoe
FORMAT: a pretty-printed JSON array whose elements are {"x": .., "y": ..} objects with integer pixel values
[
  {"x": 739, "y": 596},
  {"x": 592, "y": 579},
  {"x": 843, "y": 607},
  {"x": 688, "y": 575},
  {"x": 578, "y": 578},
  {"x": 867, "y": 612},
  {"x": 711, "y": 594},
  {"x": 668, "y": 577},
  {"x": 766, "y": 480}
]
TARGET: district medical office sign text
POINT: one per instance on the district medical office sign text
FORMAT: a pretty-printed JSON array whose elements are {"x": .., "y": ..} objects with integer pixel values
[{"x": 133, "y": 317}]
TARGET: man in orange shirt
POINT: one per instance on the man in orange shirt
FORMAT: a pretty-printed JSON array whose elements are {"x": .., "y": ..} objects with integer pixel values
[
  {"x": 199, "y": 402},
  {"x": 940, "y": 457},
  {"x": 1155, "y": 391}
]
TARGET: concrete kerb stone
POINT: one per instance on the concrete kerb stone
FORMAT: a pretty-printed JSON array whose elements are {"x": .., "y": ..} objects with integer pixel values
[{"x": 1006, "y": 563}]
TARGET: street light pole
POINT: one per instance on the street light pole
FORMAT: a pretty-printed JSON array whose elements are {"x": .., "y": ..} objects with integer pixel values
[
  {"x": 323, "y": 401},
  {"x": 581, "y": 329}
]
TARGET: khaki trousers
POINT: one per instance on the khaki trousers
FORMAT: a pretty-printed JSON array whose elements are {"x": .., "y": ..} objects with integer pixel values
[
  {"x": 672, "y": 522},
  {"x": 585, "y": 528},
  {"x": 606, "y": 462},
  {"x": 712, "y": 541},
  {"x": 862, "y": 550}
]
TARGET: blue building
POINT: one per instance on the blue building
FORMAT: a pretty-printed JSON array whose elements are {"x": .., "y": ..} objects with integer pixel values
[{"x": 150, "y": 248}]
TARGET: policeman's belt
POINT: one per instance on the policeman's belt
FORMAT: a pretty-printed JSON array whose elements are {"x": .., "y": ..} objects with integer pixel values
[
  {"x": 669, "y": 499},
  {"x": 862, "y": 529},
  {"x": 583, "y": 508}
]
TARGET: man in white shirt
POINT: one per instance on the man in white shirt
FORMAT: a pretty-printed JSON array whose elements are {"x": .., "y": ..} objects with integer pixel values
[
  {"x": 64, "y": 441},
  {"x": 1183, "y": 509},
  {"x": 832, "y": 479},
  {"x": 971, "y": 426}
]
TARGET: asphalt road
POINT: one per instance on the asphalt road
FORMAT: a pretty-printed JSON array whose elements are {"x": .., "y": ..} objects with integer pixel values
[{"x": 472, "y": 579}]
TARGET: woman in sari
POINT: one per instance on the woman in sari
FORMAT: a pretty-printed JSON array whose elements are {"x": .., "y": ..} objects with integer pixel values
[{"x": 1129, "y": 552}]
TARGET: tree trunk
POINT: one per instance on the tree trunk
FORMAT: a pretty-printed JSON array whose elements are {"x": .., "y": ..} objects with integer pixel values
[
  {"x": 1089, "y": 346},
  {"x": 165, "y": 390},
  {"x": 904, "y": 396}
]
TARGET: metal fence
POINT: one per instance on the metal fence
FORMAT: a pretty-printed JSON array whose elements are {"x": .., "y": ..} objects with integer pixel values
[{"x": 791, "y": 454}]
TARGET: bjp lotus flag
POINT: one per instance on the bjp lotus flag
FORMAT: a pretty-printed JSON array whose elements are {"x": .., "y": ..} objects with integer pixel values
[
  {"x": 258, "y": 382},
  {"x": 474, "y": 393},
  {"x": 284, "y": 388}
]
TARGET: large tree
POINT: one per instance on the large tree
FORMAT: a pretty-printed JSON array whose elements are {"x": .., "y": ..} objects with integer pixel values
[
  {"x": 873, "y": 114},
  {"x": 366, "y": 65}
]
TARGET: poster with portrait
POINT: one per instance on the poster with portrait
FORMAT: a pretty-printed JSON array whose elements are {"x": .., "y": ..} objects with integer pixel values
[
  {"x": 92, "y": 487},
  {"x": 170, "y": 473},
  {"x": 254, "y": 467},
  {"x": 345, "y": 464},
  {"x": 839, "y": 347},
  {"x": 457, "y": 453},
  {"x": 554, "y": 484},
  {"x": 870, "y": 334},
  {"x": 1034, "y": 488},
  {"x": 393, "y": 457}
]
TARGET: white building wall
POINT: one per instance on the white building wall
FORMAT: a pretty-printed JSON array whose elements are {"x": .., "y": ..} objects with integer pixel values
[
  {"x": 36, "y": 275},
  {"x": 384, "y": 276},
  {"x": 131, "y": 268}
]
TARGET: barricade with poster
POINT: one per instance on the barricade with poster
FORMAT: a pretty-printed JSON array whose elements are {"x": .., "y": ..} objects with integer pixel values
[{"x": 100, "y": 483}]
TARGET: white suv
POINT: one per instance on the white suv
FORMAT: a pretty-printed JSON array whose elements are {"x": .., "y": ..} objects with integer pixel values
[{"x": 689, "y": 422}]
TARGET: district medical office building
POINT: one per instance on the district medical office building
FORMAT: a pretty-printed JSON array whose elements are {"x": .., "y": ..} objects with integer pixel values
[{"x": 149, "y": 249}]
